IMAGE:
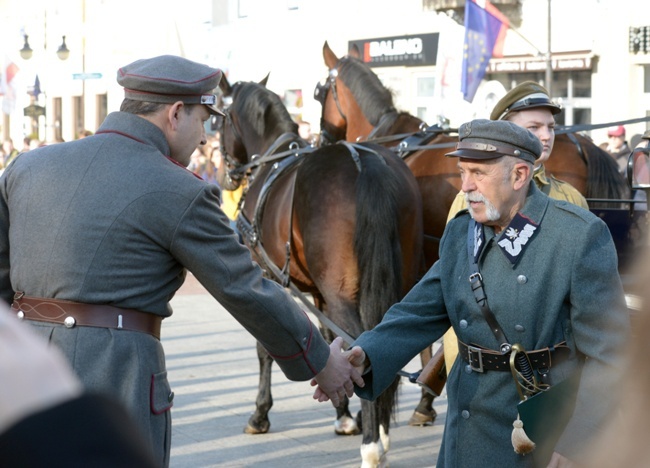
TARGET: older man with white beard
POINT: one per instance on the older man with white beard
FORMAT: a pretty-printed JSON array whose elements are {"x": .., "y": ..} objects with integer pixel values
[{"x": 546, "y": 270}]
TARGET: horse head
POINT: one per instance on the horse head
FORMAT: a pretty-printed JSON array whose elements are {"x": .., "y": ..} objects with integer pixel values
[
  {"x": 238, "y": 137},
  {"x": 353, "y": 98}
]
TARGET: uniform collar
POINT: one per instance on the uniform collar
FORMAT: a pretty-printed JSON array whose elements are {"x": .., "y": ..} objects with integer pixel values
[
  {"x": 136, "y": 128},
  {"x": 539, "y": 176},
  {"x": 520, "y": 233}
]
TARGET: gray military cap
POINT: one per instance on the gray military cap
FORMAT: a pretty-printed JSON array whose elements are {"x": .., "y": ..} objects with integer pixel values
[
  {"x": 490, "y": 139},
  {"x": 168, "y": 79}
]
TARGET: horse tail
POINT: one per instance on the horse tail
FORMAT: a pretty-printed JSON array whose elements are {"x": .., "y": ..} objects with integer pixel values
[
  {"x": 378, "y": 250},
  {"x": 604, "y": 178},
  {"x": 376, "y": 239}
]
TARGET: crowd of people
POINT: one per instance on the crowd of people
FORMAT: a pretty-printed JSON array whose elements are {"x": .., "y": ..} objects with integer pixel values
[{"x": 525, "y": 270}]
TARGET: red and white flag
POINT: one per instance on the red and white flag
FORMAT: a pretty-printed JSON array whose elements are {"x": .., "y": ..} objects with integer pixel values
[{"x": 6, "y": 86}]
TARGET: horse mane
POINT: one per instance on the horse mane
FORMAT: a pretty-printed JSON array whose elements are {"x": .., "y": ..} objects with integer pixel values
[
  {"x": 604, "y": 179},
  {"x": 263, "y": 108},
  {"x": 373, "y": 97}
]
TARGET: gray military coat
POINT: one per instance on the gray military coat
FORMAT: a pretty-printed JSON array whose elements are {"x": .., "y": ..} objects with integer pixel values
[
  {"x": 109, "y": 219},
  {"x": 563, "y": 285}
]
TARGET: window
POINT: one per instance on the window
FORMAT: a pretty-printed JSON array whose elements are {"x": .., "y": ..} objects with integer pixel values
[
  {"x": 57, "y": 106},
  {"x": 78, "y": 117},
  {"x": 426, "y": 86},
  {"x": 102, "y": 109}
]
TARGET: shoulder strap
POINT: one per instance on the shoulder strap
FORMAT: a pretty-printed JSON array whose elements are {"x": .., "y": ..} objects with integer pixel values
[{"x": 476, "y": 283}]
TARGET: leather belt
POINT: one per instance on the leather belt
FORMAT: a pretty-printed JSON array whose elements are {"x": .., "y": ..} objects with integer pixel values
[
  {"x": 481, "y": 359},
  {"x": 71, "y": 314}
]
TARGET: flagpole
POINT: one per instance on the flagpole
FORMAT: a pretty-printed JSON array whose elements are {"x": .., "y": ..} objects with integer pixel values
[
  {"x": 549, "y": 64},
  {"x": 514, "y": 30}
]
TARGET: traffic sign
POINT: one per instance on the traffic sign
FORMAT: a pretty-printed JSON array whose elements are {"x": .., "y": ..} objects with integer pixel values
[{"x": 86, "y": 76}]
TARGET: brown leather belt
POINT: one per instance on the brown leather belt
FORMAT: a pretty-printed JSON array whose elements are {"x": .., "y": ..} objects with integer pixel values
[
  {"x": 481, "y": 359},
  {"x": 71, "y": 314}
]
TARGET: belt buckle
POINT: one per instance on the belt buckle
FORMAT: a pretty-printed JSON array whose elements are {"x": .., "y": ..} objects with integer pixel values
[{"x": 474, "y": 349}]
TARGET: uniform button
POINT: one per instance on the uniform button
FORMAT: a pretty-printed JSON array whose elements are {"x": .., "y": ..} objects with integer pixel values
[
  {"x": 20, "y": 315},
  {"x": 519, "y": 328},
  {"x": 170, "y": 397},
  {"x": 468, "y": 369},
  {"x": 465, "y": 414},
  {"x": 304, "y": 340},
  {"x": 463, "y": 324},
  {"x": 69, "y": 322},
  {"x": 521, "y": 279}
]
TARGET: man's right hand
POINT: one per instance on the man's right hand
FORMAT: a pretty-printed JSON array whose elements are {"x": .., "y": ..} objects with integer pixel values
[{"x": 336, "y": 380}]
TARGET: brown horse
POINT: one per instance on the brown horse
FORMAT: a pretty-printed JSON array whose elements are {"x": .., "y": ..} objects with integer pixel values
[
  {"x": 357, "y": 106},
  {"x": 315, "y": 218}
]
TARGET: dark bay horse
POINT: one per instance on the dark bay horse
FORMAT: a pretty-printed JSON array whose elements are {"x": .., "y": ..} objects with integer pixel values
[
  {"x": 342, "y": 223},
  {"x": 357, "y": 106}
]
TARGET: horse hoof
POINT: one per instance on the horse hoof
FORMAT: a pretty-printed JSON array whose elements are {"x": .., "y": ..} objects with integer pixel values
[
  {"x": 262, "y": 428},
  {"x": 373, "y": 455},
  {"x": 346, "y": 426},
  {"x": 421, "y": 419}
]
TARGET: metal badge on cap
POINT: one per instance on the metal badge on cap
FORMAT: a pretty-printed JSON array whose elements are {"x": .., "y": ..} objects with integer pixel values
[{"x": 209, "y": 99}]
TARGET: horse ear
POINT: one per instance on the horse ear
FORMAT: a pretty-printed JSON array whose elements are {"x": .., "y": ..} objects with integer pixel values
[
  {"x": 224, "y": 85},
  {"x": 330, "y": 59},
  {"x": 265, "y": 79},
  {"x": 354, "y": 51}
]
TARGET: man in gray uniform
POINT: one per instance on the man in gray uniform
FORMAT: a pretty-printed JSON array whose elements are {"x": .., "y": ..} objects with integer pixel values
[
  {"x": 549, "y": 272},
  {"x": 96, "y": 236}
]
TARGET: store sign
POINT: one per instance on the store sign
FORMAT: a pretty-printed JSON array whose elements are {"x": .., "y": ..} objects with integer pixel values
[
  {"x": 409, "y": 51},
  {"x": 534, "y": 64}
]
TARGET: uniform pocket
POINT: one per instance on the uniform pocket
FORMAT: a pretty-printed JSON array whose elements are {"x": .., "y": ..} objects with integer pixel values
[{"x": 161, "y": 396}]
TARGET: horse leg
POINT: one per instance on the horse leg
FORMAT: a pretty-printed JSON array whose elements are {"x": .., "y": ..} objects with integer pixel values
[
  {"x": 424, "y": 414},
  {"x": 259, "y": 422},
  {"x": 344, "y": 424},
  {"x": 376, "y": 417},
  {"x": 372, "y": 448}
]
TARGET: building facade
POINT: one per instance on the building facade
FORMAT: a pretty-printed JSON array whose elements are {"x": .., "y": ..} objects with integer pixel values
[{"x": 600, "y": 55}]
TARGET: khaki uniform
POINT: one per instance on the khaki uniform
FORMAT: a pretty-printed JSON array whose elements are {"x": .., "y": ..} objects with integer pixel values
[{"x": 554, "y": 188}]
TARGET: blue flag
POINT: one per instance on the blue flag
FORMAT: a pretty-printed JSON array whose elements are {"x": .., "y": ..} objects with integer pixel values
[
  {"x": 481, "y": 33},
  {"x": 37, "y": 87}
]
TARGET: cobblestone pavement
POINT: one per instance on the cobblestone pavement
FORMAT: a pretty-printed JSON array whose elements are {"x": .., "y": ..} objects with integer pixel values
[{"x": 213, "y": 371}]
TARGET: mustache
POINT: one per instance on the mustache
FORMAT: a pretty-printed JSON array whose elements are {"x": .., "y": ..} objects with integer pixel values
[{"x": 475, "y": 197}]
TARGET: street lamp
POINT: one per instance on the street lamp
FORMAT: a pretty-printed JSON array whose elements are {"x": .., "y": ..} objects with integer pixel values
[
  {"x": 26, "y": 52},
  {"x": 62, "y": 52}
]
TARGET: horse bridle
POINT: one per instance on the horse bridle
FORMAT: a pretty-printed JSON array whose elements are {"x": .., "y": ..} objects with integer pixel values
[
  {"x": 235, "y": 171},
  {"x": 320, "y": 94}
]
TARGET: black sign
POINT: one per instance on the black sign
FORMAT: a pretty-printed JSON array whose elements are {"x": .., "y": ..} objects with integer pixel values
[
  {"x": 410, "y": 51},
  {"x": 34, "y": 111}
]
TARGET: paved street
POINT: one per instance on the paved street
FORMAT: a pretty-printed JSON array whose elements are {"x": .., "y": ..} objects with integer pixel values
[{"x": 213, "y": 371}]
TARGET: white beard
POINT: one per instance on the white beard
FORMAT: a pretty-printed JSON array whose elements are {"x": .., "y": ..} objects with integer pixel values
[{"x": 491, "y": 212}]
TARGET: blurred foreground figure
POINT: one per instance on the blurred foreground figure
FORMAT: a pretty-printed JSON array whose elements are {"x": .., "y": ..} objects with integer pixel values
[{"x": 47, "y": 420}]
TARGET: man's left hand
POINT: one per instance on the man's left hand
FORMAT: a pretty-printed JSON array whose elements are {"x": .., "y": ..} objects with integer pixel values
[{"x": 336, "y": 380}]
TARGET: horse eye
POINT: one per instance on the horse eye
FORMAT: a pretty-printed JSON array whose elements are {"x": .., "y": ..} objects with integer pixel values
[{"x": 217, "y": 122}]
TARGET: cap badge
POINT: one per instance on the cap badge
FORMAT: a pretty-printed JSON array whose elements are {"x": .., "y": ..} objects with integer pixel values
[
  {"x": 209, "y": 99},
  {"x": 467, "y": 129}
]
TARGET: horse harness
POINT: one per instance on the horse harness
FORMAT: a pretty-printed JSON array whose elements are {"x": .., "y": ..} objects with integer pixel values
[{"x": 283, "y": 163}]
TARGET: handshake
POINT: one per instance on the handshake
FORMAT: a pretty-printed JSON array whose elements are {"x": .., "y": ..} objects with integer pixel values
[{"x": 344, "y": 368}]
